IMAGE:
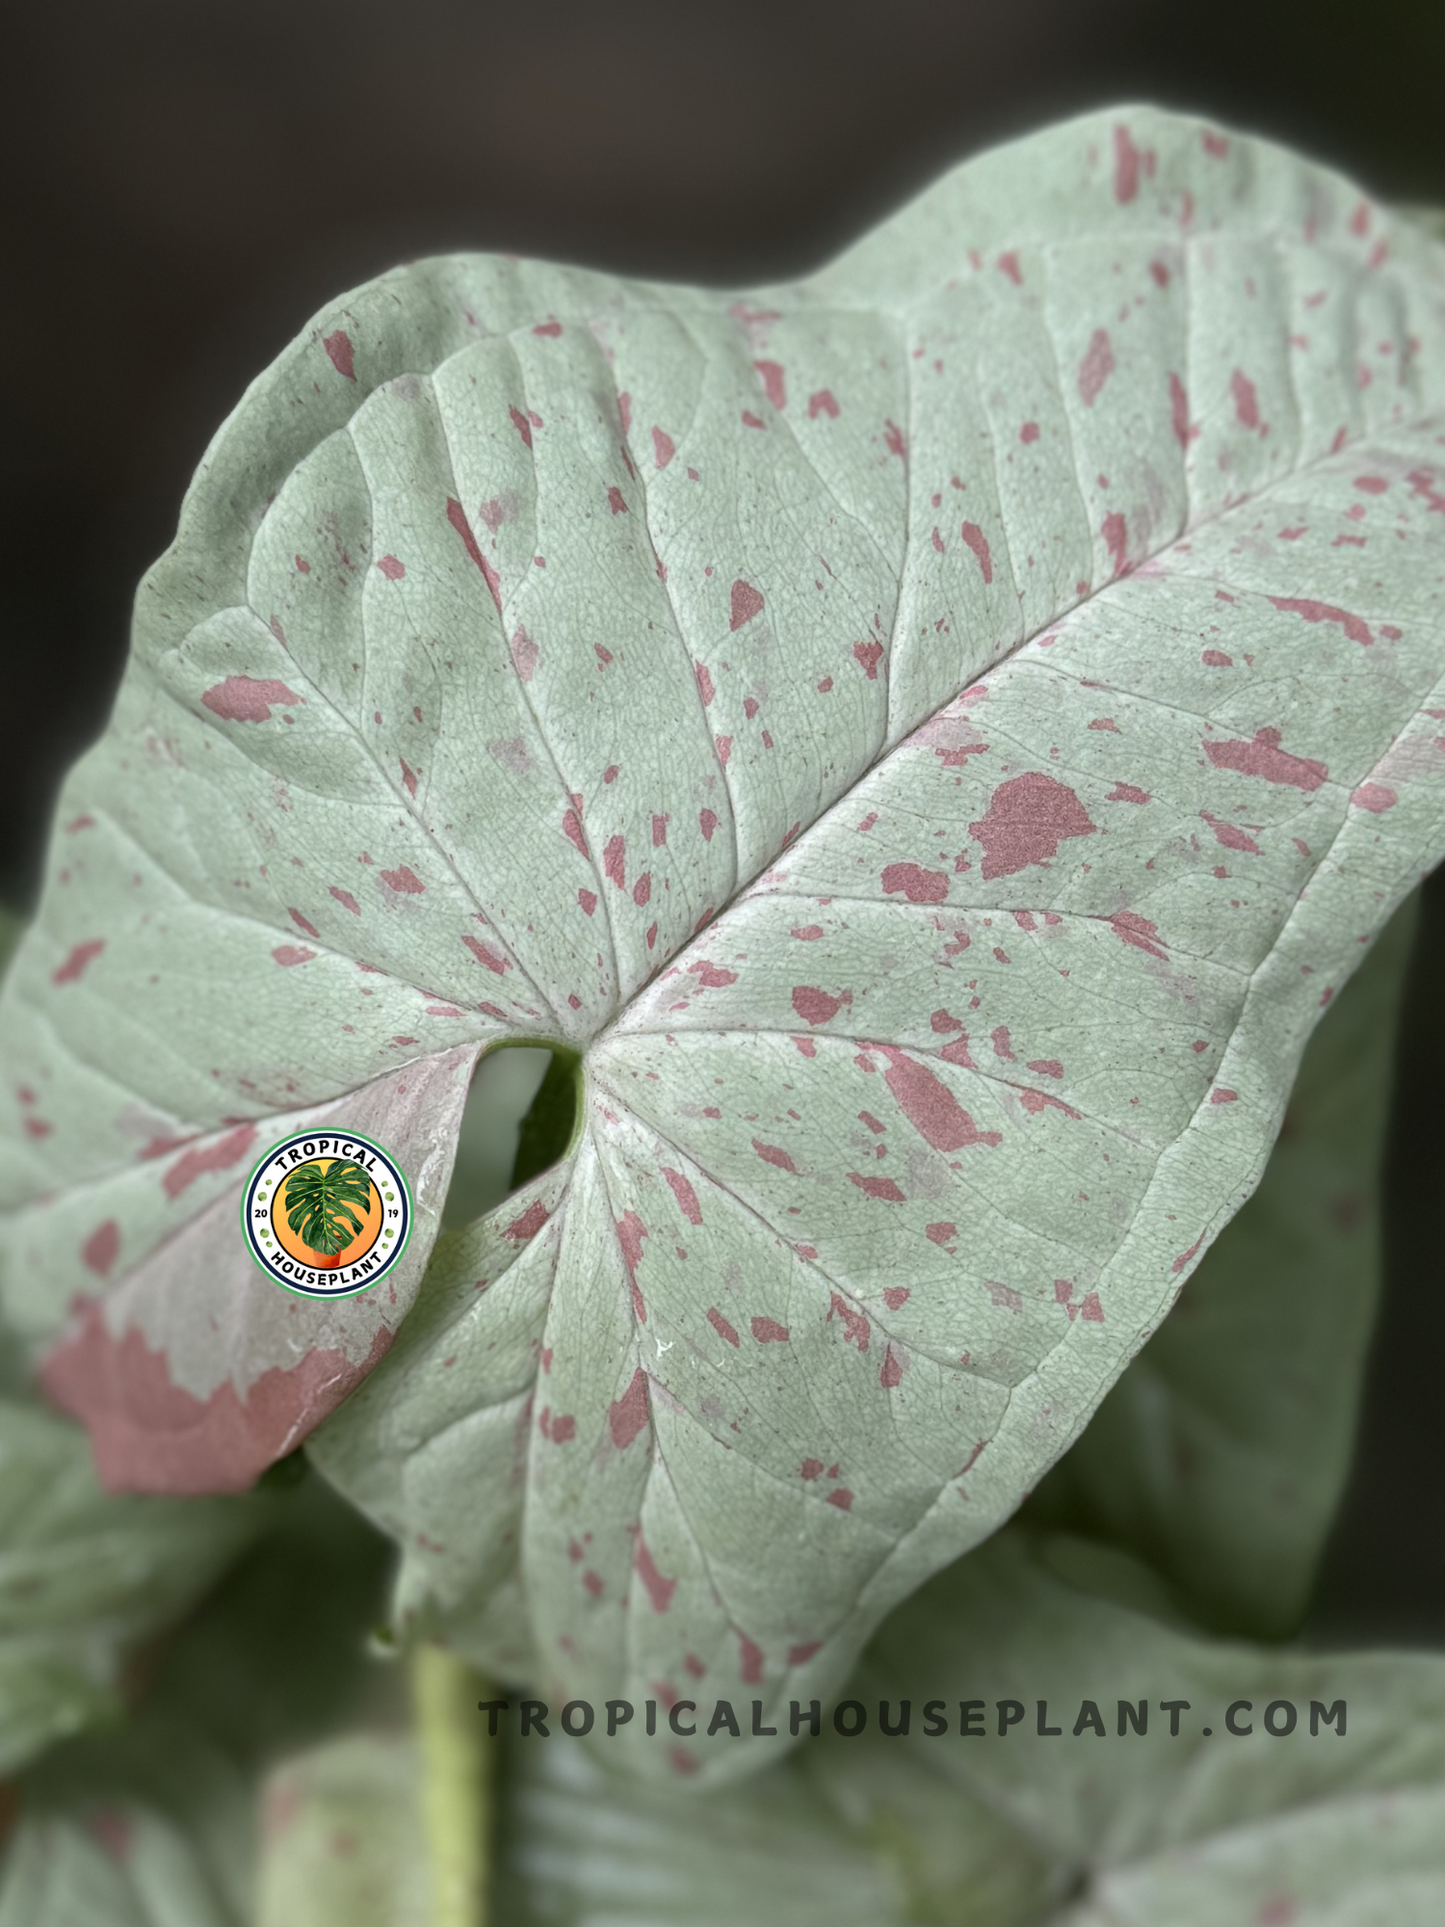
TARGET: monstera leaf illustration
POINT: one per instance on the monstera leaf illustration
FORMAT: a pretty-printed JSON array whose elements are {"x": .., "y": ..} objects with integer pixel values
[
  {"x": 322, "y": 1201},
  {"x": 928, "y": 741}
]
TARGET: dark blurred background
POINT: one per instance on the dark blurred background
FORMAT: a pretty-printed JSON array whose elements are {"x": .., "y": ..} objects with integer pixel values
[{"x": 189, "y": 179}]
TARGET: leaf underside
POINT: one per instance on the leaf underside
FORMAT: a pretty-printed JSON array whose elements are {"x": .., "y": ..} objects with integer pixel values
[{"x": 931, "y": 738}]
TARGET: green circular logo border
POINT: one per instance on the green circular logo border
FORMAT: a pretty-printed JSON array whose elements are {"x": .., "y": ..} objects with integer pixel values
[{"x": 313, "y": 1292}]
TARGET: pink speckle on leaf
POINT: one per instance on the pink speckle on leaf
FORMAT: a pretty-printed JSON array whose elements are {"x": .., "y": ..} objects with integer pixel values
[
  {"x": 815, "y": 1006},
  {"x": 686, "y": 1197},
  {"x": 774, "y": 1154},
  {"x": 457, "y": 516},
  {"x": 869, "y": 654},
  {"x": 201, "y": 1159},
  {"x": 1246, "y": 400},
  {"x": 1029, "y": 432},
  {"x": 486, "y": 956},
  {"x": 1126, "y": 166},
  {"x": 746, "y": 602},
  {"x": 774, "y": 385},
  {"x": 1264, "y": 758},
  {"x": 248, "y": 699},
  {"x": 726, "y": 1331},
  {"x": 614, "y": 861},
  {"x": 404, "y": 879},
  {"x": 767, "y": 1331},
  {"x": 1096, "y": 366},
  {"x": 290, "y": 954},
  {"x": 340, "y": 353},
  {"x": 1027, "y": 818},
  {"x": 1230, "y": 835},
  {"x": 1313, "y": 611},
  {"x": 974, "y": 536},
  {"x": 627, "y": 1416},
  {"x": 391, "y": 568},
  {"x": 524, "y": 654},
  {"x": 822, "y": 403},
  {"x": 916, "y": 884},
  {"x": 102, "y": 1248},
  {"x": 1116, "y": 540},
  {"x": 884, "y": 1189},
  {"x": 663, "y": 447},
  {"x": 81, "y": 956},
  {"x": 1138, "y": 932},
  {"x": 1008, "y": 264},
  {"x": 890, "y": 1372},
  {"x": 528, "y": 1224},
  {"x": 659, "y": 1589},
  {"x": 1375, "y": 797},
  {"x": 1179, "y": 411},
  {"x": 896, "y": 440}
]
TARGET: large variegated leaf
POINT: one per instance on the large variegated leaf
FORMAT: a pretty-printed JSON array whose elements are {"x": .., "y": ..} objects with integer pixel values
[
  {"x": 933, "y": 736},
  {"x": 1221, "y": 1454}
]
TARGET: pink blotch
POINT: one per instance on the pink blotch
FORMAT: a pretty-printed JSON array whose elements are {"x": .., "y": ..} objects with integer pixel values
[
  {"x": 822, "y": 403},
  {"x": 774, "y": 1154},
  {"x": 346, "y": 900},
  {"x": 974, "y": 536},
  {"x": 1375, "y": 797},
  {"x": 102, "y": 1248},
  {"x": 750, "y": 1660},
  {"x": 290, "y": 954},
  {"x": 1139, "y": 932},
  {"x": 774, "y": 387},
  {"x": 707, "y": 823},
  {"x": 1179, "y": 411},
  {"x": 1232, "y": 837},
  {"x": 895, "y": 1297},
  {"x": 1126, "y": 166},
  {"x": 1127, "y": 793},
  {"x": 916, "y": 884},
  {"x": 81, "y": 956},
  {"x": 884, "y": 1189},
  {"x": 815, "y": 1006},
  {"x": 1216, "y": 659},
  {"x": 1009, "y": 264},
  {"x": 724, "y": 1330},
  {"x": 659, "y": 1590},
  {"x": 1029, "y": 432},
  {"x": 627, "y": 1416},
  {"x": 1313, "y": 611},
  {"x": 869, "y": 655},
  {"x": 615, "y": 501},
  {"x": 391, "y": 568},
  {"x": 1222, "y": 1095},
  {"x": 524, "y": 654},
  {"x": 247, "y": 699},
  {"x": 341, "y": 353},
  {"x": 572, "y": 830},
  {"x": 767, "y": 1331},
  {"x": 896, "y": 440},
  {"x": 1264, "y": 758},
  {"x": 686, "y": 1197},
  {"x": 304, "y": 924},
  {"x": 528, "y": 1224},
  {"x": 663, "y": 447},
  {"x": 841, "y": 1497},
  {"x": 614, "y": 861},
  {"x": 486, "y": 956},
  {"x": 457, "y": 516},
  {"x": 200, "y": 1160},
  {"x": 1027, "y": 818},
  {"x": 1096, "y": 366},
  {"x": 1116, "y": 540},
  {"x": 1246, "y": 400},
  {"x": 404, "y": 879}
]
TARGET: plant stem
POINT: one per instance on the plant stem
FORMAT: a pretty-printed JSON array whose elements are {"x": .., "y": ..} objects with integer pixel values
[{"x": 456, "y": 1776}]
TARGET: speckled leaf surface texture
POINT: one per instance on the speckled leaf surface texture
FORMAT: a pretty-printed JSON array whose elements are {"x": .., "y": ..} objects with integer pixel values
[{"x": 934, "y": 737}]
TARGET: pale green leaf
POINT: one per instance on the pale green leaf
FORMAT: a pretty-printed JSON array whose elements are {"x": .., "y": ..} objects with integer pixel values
[
  {"x": 1222, "y": 1452},
  {"x": 930, "y": 737}
]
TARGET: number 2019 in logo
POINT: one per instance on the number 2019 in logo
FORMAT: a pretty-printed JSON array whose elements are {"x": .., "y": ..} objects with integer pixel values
[{"x": 326, "y": 1213}]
